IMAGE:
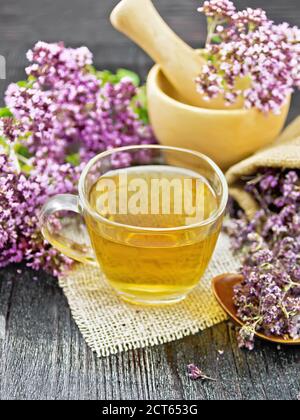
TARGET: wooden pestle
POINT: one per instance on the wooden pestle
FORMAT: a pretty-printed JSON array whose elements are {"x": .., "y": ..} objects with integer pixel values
[{"x": 181, "y": 64}]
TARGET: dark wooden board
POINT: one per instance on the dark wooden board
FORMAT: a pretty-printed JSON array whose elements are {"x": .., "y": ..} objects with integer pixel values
[{"x": 42, "y": 354}]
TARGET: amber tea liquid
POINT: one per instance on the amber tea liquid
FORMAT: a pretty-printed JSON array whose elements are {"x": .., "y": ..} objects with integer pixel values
[{"x": 144, "y": 263}]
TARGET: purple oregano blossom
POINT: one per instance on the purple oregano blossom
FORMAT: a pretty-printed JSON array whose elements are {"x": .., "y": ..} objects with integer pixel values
[
  {"x": 21, "y": 196},
  {"x": 66, "y": 105},
  {"x": 55, "y": 121},
  {"x": 268, "y": 300},
  {"x": 249, "y": 56}
]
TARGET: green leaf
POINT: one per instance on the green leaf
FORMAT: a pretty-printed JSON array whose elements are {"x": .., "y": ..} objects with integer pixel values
[
  {"x": 142, "y": 96},
  {"x": 212, "y": 58},
  {"x": 22, "y": 83},
  {"x": 73, "y": 159},
  {"x": 95, "y": 72},
  {"x": 27, "y": 84},
  {"x": 4, "y": 145},
  {"x": 25, "y": 167},
  {"x": 31, "y": 81},
  {"x": 22, "y": 150},
  {"x": 216, "y": 39},
  {"x": 139, "y": 105},
  {"x": 5, "y": 113},
  {"x": 143, "y": 115},
  {"x": 121, "y": 73},
  {"x": 90, "y": 68},
  {"x": 107, "y": 76}
]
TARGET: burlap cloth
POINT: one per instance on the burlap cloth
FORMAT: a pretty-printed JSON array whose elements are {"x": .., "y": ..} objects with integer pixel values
[
  {"x": 110, "y": 325},
  {"x": 284, "y": 153}
]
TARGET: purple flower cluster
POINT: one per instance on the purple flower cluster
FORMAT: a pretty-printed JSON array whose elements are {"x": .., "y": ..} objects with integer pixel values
[
  {"x": 248, "y": 17},
  {"x": 249, "y": 56},
  {"x": 55, "y": 121},
  {"x": 65, "y": 106},
  {"x": 268, "y": 300},
  {"x": 20, "y": 198},
  {"x": 220, "y": 8}
]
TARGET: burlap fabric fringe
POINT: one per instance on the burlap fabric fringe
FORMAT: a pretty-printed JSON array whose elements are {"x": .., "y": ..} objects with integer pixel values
[{"x": 284, "y": 153}]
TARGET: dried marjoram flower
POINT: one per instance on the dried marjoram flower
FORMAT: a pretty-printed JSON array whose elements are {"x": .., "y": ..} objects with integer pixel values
[
  {"x": 195, "y": 373},
  {"x": 268, "y": 300}
]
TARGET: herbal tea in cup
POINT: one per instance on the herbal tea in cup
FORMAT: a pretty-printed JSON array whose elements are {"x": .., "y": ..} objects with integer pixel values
[{"x": 153, "y": 216}]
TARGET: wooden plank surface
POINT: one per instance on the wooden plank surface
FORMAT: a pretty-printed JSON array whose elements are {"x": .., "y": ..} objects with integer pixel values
[{"x": 42, "y": 354}]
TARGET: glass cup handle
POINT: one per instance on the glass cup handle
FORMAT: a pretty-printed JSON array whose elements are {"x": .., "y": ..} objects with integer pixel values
[{"x": 68, "y": 233}]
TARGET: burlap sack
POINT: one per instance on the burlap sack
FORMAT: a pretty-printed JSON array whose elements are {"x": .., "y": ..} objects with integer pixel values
[{"x": 284, "y": 153}]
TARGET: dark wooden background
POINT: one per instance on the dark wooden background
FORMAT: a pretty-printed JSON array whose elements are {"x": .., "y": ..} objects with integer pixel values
[{"x": 42, "y": 354}]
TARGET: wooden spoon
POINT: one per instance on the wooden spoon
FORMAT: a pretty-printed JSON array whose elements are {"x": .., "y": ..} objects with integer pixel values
[
  {"x": 140, "y": 21},
  {"x": 223, "y": 290}
]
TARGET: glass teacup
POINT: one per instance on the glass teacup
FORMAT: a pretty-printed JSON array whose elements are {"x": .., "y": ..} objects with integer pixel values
[{"x": 149, "y": 216}]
